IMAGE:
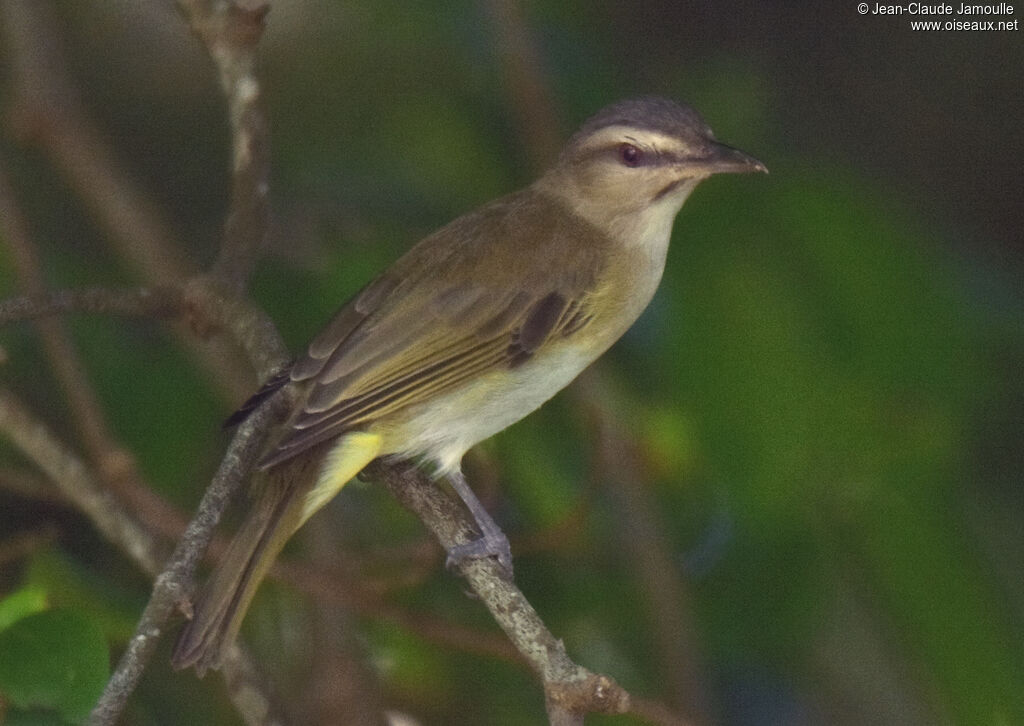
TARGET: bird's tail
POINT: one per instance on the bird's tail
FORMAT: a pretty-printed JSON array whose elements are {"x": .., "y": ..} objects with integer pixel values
[{"x": 290, "y": 496}]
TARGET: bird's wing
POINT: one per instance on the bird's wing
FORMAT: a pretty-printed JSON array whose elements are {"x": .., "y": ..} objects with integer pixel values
[{"x": 410, "y": 336}]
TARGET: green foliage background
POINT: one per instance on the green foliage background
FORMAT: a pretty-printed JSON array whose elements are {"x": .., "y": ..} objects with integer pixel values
[{"x": 826, "y": 391}]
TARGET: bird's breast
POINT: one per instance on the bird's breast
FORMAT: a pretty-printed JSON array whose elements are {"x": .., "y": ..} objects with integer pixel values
[{"x": 444, "y": 428}]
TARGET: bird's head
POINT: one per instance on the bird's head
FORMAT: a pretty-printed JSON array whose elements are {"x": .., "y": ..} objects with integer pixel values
[{"x": 631, "y": 166}]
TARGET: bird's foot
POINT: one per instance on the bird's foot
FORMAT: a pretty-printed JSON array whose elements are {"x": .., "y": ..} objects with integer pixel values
[
  {"x": 489, "y": 544},
  {"x": 492, "y": 541}
]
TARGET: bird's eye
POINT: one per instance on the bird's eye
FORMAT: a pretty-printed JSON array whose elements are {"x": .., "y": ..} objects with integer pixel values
[{"x": 630, "y": 155}]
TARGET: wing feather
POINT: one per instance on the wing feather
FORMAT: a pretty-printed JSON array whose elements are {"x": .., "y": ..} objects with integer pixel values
[{"x": 405, "y": 338}]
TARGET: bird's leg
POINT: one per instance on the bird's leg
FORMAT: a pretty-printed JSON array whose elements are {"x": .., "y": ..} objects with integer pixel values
[{"x": 492, "y": 541}]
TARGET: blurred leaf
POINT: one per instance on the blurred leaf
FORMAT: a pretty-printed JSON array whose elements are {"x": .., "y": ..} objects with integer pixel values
[
  {"x": 109, "y": 604},
  {"x": 17, "y": 717},
  {"x": 441, "y": 150},
  {"x": 944, "y": 608},
  {"x": 413, "y": 667},
  {"x": 56, "y": 659},
  {"x": 670, "y": 439},
  {"x": 20, "y": 603},
  {"x": 805, "y": 390},
  {"x": 542, "y": 471},
  {"x": 830, "y": 361},
  {"x": 148, "y": 418}
]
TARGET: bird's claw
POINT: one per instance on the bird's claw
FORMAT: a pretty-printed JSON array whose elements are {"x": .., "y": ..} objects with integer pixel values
[{"x": 487, "y": 545}]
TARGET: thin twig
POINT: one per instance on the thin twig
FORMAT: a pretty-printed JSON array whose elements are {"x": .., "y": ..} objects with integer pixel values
[
  {"x": 17, "y": 546},
  {"x": 231, "y": 35},
  {"x": 328, "y": 586},
  {"x": 657, "y": 713},
  {"x": 139, "y": 302},
  {"x": 569, "y": 688},
  {"x": 666, "y": 598},
  {"x": 246, "y": 691},
  {"x": 45, "y": 110},
  {"x": 530, "y": 100},
  {"x": 85, "y": 407},
  {"x": 120, "y": 526},
  {"x": 170, "y": 587},
  {"x": 246, "y": 324},
  {"x": 71, "y": 475},
  {"x": 113, "y": 462},
  {"x": 30, "y": 485},
  {"x": 530, "y": 97},
  {"x": 207, "y": 309}
]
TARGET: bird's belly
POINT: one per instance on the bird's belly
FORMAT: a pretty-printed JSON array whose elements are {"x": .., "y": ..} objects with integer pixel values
[{"x": 443, "y": 429}]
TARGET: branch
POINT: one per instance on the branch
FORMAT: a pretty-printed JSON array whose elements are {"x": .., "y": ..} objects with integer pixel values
[
  {"x": 171, "y": 586},
  {"x": 83, "y": 401},
  {"x": 46, "y": 111},
  {"x": 210, "y": 310},
  {"x": 18, "y": 546},
  {"x": 119, "y": 526},
  {"x": 246, "y": 691},
  {"x": 114, "y": 464},
  {"x": 231, "y": 35},
  {"x": 74, "y": 480},
  {"x": 327, "y": 585},
  {"x": 247, "y": 325},
  {"x": 570, "y": 689},
  {"x": 667, "y": 602},
  {"x": 138, "y": 302},
  {"x": 530, "y": 100},
  {"x": 30, "y": 485}
]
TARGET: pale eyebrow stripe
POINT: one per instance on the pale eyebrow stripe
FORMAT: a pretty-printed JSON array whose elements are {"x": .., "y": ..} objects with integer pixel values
[{"x": 640, "y": 137}]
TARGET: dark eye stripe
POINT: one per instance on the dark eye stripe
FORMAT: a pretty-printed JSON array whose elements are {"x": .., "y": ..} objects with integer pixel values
[{"x": 645, "y": 155}]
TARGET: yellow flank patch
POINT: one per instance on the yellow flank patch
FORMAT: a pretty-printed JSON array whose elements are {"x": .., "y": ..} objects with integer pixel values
[{"x": 345, "y": 459}]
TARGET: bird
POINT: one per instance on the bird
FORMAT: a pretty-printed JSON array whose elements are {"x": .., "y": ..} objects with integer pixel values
[{"x": 473, "y": 328}]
